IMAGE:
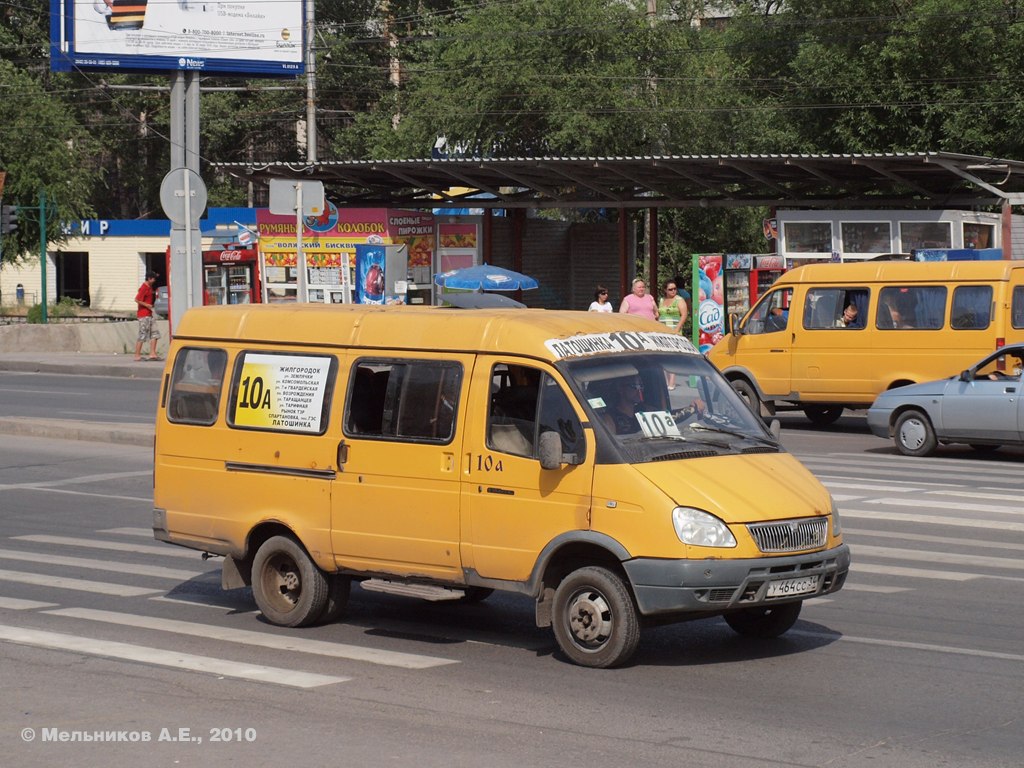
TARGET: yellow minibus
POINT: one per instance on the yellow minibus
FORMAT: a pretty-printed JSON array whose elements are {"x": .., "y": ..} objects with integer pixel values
[
  {"x": 593, "y": 462},
  {"x": 831, "y": 336}
]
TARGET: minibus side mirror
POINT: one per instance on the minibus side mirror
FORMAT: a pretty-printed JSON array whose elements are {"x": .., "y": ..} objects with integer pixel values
[
  {"x": 551, "y": 451},
  {"x": 734, "y": 325},
  {"x": 775, "y": 428}
]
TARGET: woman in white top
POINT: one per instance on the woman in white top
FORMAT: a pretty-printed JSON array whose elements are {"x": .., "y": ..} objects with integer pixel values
[{"x": 600, "y": 302}]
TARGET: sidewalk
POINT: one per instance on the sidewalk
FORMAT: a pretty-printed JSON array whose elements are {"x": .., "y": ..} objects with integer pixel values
[{"x": 79, "y": 364}]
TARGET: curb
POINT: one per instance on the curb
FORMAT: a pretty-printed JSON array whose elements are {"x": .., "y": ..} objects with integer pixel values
[
  {"x": 126, "y": 371},
  {"x": 63, "y": 429}
]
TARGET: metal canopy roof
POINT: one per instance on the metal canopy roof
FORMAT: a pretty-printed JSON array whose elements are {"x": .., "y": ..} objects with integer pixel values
[{"x": 898, "y": 180}]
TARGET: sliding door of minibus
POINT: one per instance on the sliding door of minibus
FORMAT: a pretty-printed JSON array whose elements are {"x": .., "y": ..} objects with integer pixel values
[{"x": 832, "y": 347}]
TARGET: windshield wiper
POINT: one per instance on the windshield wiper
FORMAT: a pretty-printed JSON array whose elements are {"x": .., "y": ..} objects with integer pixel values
[{"x": 733, "y": 432}]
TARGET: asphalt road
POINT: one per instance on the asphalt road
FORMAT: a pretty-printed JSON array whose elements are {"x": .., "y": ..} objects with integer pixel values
[{"x": 917, "y": 663}]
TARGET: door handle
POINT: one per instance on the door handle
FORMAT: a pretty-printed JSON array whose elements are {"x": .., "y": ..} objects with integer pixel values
[{"x": 342, "y": 455}]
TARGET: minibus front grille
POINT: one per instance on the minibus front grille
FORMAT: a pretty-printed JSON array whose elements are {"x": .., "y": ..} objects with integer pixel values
[
  {"x": 761, "y": 449},
  {"x": 790, "y": 535}
]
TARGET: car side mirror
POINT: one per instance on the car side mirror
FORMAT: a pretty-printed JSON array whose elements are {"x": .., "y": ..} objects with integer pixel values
[
  {"x": 966, "y": 376},
  {"x": 550, "y": 452}
]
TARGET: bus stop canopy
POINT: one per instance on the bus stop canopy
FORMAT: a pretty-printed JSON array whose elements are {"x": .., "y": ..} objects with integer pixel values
[{"x": 884, "y": 180}]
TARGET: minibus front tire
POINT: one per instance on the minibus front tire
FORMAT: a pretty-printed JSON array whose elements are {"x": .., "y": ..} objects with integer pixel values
[
  {"x": 746, "y": 390},
  {"x": 289, "y": 589},
  {"x": 595, "y": 619},
  {"x": 764, "y": 622}
]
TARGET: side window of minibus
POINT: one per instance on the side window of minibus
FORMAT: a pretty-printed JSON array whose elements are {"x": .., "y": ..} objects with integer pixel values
[
  {"x": 512, "y": 411},
  {"x": 972, "y": 307},
  {"x": 526, "y": 402},
  {"x": 196, "y": 384},
  {"x": 1017, "y": 310},
  {"x": 407, "y": 400},
  {"x": 835, "y": 308},
  {"x": 921, "y": 307}
]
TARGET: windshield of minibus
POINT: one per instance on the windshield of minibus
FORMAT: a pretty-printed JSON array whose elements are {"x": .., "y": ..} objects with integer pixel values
[{"x": 665, "y": 405}]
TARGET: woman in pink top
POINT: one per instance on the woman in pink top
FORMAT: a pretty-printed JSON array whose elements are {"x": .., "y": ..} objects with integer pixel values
[{"x": 639, "y": 302}]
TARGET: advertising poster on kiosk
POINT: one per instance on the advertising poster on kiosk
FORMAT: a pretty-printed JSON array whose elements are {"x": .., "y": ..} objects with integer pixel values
[
  {"x": 709, "y": 307},
  {"x": 370, "y": 266}
]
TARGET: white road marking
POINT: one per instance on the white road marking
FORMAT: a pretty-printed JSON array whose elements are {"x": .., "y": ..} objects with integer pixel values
[
  {"x": 82, "y": 585},
  {"x": 870, "y": 487},
  {"x": 906, "y": 517},
  {"x": 848, "y": 587},
  {"x": 17, "y": 604},
  {"x": 147, "y": 532},
  {"x": 916, "y": 573},
  {"x": 951, "y": 540},
  {"x": 283, "y": 643},
  {"x": 950, "y": 558},
  {"x": 910, "y": 646},
  {"x": 156, "y": 571},
  {"x": 951, "y": 505},
  {"x": 78, "y": 480},
  {"x": 162, "y": 550},
  {"x": 158, "y": 657}
]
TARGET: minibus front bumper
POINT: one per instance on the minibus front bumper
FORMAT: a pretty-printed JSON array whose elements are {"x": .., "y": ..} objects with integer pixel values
[{"x": 701, "y": 586}]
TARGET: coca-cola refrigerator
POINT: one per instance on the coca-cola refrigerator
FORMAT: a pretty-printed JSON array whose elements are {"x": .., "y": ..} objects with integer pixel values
[
  {"x": 231, "y": 276},
  {"x": 747, "y": 277}
]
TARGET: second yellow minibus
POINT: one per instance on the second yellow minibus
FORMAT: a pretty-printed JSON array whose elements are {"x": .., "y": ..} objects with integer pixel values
[{"x": 833, "y": 336}]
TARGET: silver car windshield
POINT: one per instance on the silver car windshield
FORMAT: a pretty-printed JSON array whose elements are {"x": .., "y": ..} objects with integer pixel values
[{"x": 660, "y": 404}]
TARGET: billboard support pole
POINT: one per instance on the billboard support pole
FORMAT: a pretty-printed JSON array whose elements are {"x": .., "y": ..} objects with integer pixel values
[{"x": 311, "y": 138}]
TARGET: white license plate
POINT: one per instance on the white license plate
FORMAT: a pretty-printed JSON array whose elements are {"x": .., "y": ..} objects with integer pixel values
[{"x": 788, "y": 587}]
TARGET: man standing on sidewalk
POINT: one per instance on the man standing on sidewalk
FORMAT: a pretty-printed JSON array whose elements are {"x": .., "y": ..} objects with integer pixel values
[{"x": 145, "y": 298}]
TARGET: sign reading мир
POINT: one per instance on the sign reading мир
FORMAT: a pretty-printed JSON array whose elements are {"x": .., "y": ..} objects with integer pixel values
[{"x": 282, "y": 392}]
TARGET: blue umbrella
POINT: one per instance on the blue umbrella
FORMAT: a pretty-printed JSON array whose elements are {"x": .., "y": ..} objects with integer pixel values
[{"x": 485, "y": 277}]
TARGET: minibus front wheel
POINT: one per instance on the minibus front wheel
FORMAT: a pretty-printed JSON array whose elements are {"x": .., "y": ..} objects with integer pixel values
[
  {"x": 289, "y": 589},
  {"x": 748, "y": 393},
  {"x": 595, "y": 619}
]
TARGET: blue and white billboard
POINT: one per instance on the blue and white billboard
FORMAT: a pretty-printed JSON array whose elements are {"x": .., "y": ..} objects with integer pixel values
[{"x": 242, "y": 38}]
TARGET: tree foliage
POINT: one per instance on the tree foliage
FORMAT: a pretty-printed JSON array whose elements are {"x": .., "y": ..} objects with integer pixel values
[{"x": 538, "y": 77}]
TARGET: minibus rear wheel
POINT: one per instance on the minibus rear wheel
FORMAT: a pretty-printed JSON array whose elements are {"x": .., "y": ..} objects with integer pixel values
[
  {"x": 765, "y": 622},
  {"x": 289, "y": 589},
  {"x": 595, "y": 620},
  {"x": 823, "y": 415}
]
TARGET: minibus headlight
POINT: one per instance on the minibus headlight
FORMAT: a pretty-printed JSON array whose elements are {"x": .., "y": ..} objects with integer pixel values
[
  {"x": 696, "y": 527},
  {"x": 837, "y": 526}
]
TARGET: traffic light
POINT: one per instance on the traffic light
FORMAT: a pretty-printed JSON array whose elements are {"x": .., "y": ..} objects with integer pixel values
[{"x": 8, "y": 219}]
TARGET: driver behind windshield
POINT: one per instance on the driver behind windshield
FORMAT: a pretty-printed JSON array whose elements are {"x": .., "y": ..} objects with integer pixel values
[{"x": 627, "y": 397}]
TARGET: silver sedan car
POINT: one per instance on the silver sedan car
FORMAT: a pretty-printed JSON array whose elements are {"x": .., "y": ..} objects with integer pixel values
[{"x": 981, "y": 406}]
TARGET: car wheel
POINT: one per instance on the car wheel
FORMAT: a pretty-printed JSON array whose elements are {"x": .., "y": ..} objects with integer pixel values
[
  {"x": 914, "y": 434},
  {"x": 765, "y": 622},
  {"x": 595, "y": 621},
  {"x": 748, "y": 394},
  {"x": 823, "y": 415},
  {"x": 289, "y": 589}
]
